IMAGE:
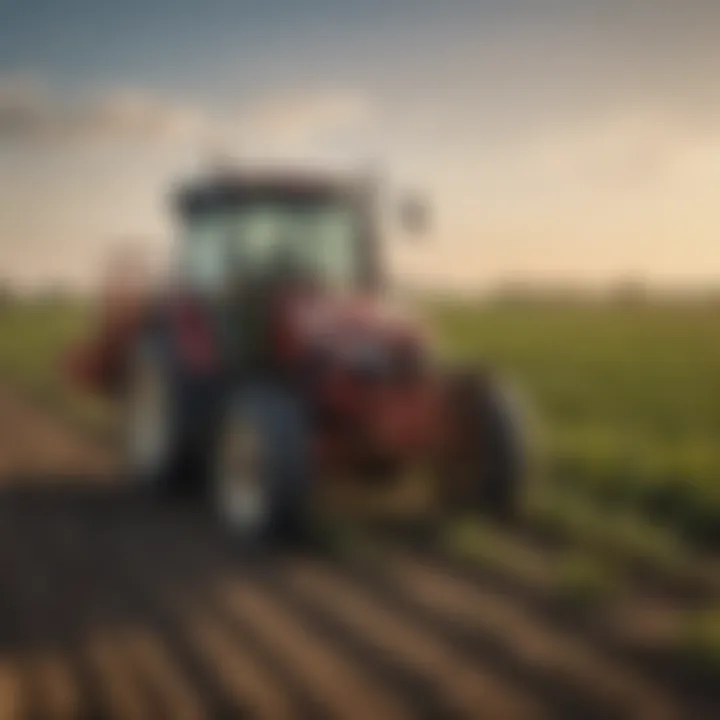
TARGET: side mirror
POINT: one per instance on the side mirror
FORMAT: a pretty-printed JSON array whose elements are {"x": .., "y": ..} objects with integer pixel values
[{"x": 414, "y": 215}]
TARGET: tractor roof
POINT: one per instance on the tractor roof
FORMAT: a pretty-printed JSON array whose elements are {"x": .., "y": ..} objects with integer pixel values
[{"x": 231, "y": 187}]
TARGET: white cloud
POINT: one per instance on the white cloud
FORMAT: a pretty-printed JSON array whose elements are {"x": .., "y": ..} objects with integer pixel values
[
  {"x": 300, "y": 119},
  {"x": 88, "y": 197},
  {"x": 289, "y": 122},
  {"x": 143, "y": 115},
  {"x": 23, "y": 105},
  {"x": 30, "y": 112}
]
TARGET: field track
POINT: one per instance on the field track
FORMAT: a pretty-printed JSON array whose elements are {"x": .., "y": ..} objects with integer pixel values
[{"x": 111, "y": 606}]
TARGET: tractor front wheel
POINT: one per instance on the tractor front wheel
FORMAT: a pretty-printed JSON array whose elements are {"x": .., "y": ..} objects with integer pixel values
[
  {"x": 260, "y": 483},
  {"x": 150, "y": 437}
]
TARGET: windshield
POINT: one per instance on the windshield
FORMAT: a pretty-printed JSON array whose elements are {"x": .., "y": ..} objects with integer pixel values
[{"x": 318, "y": 239}]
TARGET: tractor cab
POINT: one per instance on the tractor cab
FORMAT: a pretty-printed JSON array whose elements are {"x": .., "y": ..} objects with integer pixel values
[
  {"x": 287, "y": 265},
  {"x": 260, "y": 228}
]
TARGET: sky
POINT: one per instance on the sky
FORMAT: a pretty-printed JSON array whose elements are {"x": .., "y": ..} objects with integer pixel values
[{"x": 556, "y": 141}]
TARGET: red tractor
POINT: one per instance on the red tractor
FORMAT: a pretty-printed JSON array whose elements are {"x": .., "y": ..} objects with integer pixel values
[{"x": 271, "y": 362}]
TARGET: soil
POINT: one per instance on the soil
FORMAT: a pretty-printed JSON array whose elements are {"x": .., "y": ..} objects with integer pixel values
[{"x": 112, "y": 605}]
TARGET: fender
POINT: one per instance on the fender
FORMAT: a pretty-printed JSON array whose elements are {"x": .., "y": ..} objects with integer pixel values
[{"x": 99, "y": 363}]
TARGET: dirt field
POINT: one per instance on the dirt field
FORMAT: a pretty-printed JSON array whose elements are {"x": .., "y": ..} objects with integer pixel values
[{"x": 111, "y": 606}]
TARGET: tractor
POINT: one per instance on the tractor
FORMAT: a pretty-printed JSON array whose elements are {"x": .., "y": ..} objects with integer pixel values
[{"x": 271, "y": 361}]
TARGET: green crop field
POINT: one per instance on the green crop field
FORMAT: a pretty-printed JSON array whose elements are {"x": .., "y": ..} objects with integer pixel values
[
  {"x": 627, "y": 398},
  {"x": 35, "y": 341}
]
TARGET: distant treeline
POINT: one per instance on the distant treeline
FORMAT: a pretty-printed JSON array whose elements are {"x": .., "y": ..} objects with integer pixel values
[
  {"x": 626, "y": 293},
  {"x": 623, "y": 293},
  {"x": 52, "y": 294}
]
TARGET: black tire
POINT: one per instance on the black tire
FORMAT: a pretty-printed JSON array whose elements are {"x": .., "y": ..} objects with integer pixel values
[
  {"x": 281, "y": 464},
  {"x": 506, "y": 460},
  {"x": 159, "y": 478},
  {"x": 491, "y": 465}
]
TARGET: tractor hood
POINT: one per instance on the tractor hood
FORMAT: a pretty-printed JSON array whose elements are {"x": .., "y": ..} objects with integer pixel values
[{"x": 358, "y": 330}]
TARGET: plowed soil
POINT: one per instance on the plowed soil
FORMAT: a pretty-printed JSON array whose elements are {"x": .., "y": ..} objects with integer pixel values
[{"x": 115, "y": 606}]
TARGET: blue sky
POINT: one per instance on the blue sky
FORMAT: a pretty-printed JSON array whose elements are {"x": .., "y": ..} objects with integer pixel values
[{"x": 557, "y": 139}]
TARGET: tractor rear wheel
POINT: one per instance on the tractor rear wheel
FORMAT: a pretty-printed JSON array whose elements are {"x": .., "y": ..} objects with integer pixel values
[{"x": 487, "y": 468}]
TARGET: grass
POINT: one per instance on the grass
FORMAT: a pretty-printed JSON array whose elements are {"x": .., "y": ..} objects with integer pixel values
[
  {"x": 699, "y": 642},
  {"x": 35, "y": 340},
  {"x": 627, "y": 398},
  {"x": 583, "y": 582},
  {"x": 629, "y": 403},
  {"x": 482, "y": 543},
  {"x": 577, "y": 577},
  {"x": 624, "y": 537}
]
